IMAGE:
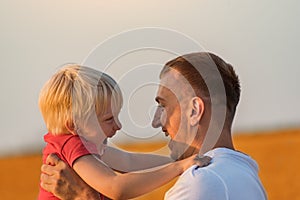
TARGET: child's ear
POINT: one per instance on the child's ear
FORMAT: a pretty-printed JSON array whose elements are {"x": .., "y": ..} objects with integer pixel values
[
  {"x": 197, "y": 110},
  {"x": 70, "y": 128}
]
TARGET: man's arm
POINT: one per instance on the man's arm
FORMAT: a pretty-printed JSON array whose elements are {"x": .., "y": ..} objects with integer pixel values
[{"x": 61, "y": 180}]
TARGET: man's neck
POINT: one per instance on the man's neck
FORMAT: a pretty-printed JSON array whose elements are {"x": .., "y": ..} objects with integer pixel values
[{"x": 224, "y": 141}]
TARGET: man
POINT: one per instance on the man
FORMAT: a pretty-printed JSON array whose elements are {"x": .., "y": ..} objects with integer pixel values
[
  {"x": 188, "y": 97},
  {"x": 197, "y": 100}
]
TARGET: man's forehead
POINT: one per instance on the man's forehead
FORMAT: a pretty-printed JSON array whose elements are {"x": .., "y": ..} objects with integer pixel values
[
  {"x": 173, "y": 82},
  {"x": 171, "y": 78}
]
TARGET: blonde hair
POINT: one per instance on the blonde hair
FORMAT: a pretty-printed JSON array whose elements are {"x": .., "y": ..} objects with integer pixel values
[{"x": 73, "y": 94}]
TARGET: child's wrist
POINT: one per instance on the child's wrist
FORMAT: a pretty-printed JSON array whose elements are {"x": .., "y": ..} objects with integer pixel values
[{"x": 181, "y": 166}]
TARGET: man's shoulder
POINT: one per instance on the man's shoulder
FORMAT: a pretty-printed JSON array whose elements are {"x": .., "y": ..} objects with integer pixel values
[
  {"x": 197, "y": 174},
  {"x": 197, "y": 183},
  {"x": 219, "y": 179},
  {"x": 212, "y": 176}
]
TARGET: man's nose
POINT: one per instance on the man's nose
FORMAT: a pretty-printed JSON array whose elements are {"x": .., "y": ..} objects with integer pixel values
[{"x": 156, "y": 119}]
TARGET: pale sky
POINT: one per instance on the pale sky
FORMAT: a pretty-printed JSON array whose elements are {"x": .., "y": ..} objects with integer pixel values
[{"x": 259, "y": 38}]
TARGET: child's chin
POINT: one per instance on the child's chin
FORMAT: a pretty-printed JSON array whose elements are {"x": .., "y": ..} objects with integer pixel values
[{"x": 105, "y": 141}]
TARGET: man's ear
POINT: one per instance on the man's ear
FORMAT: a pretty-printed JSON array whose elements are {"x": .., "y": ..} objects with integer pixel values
[{"x": 197, "y": 110}]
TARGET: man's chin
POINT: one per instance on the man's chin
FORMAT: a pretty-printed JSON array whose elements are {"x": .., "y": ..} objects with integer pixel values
[
  {"x": 177, "y": 150},
  {"x": 173, "y": 156},
  {"x": 179, "y": 155}
]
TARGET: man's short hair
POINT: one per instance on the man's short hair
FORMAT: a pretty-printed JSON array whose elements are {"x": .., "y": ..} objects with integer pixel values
[{"x": 211, "y": 65}]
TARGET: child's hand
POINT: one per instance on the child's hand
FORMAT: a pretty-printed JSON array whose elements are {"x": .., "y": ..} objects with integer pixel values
[{"x": 196, "y": 159}]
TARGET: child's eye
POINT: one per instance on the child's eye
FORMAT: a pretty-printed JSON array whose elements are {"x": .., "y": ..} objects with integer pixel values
[{"x": 109, "y": 119}]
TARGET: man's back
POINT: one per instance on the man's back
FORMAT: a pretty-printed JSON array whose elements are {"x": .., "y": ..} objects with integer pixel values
[{"x": 231, "y": 176}]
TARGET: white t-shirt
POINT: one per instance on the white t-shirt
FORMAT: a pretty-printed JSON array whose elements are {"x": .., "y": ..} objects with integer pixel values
[{"x": 231, "y": 175}]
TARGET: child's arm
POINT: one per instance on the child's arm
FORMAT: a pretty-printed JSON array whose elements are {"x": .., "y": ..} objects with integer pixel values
[
  {"x": 123, "y": 161},
  {"x": 130, "y": 185}
]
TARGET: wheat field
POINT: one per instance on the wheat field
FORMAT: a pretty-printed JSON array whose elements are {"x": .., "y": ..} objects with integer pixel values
[{"x": 277, "y": 153}]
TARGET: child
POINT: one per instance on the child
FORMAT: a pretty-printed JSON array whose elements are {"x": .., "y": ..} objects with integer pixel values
[{"x": 80, "y": 107}]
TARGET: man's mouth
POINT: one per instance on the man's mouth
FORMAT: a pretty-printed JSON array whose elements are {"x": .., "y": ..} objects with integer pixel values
[
  {"x": 166, "y": 132},
  {"x": 170, "y": 144}
]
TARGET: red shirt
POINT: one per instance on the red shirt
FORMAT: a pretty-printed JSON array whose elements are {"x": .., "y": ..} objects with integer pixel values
[{"x": 67, "y": 147}]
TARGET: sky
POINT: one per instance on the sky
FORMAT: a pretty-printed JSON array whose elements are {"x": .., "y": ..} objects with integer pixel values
[{"x": 259, "y": 38}]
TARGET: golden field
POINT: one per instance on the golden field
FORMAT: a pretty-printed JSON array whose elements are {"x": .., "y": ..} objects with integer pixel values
[{"x": 277, "y": 153}]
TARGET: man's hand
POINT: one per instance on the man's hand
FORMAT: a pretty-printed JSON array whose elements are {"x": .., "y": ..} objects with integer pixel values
[{"x": 61, "y": 180}]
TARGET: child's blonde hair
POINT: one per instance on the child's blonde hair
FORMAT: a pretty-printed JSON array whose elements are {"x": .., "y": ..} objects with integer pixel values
[{"x": 73, "y": 93}]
